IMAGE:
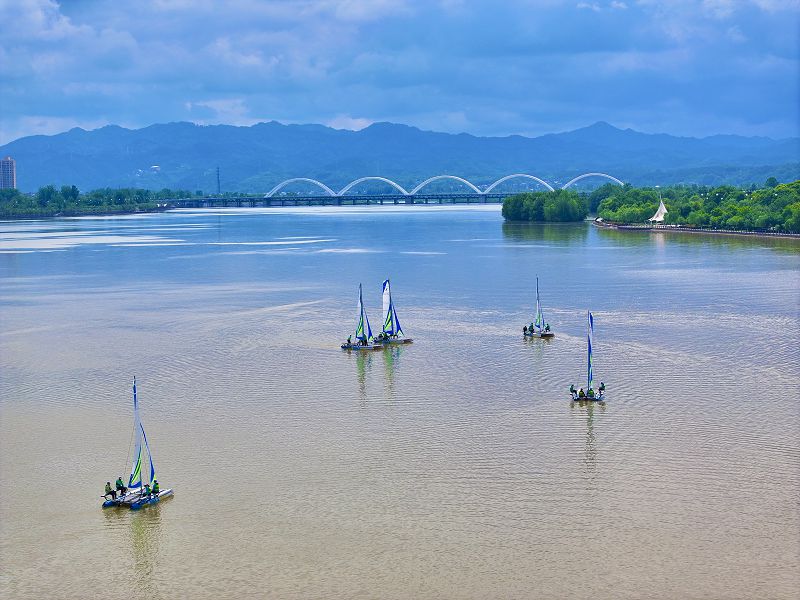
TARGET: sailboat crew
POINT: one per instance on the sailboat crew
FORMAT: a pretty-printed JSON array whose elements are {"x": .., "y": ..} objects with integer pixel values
[
  {"x": 110, "y": 492},
  {"x": 156, "y": 488},
  {"x": 121, "y": 489}
]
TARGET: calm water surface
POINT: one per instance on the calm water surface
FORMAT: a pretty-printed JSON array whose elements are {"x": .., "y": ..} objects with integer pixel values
[{"x": 455, "y": 467}]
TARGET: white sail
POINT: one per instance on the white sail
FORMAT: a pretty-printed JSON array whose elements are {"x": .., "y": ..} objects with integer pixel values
[
  {"x": 391, "y": 324},
  {"x": 660, "y": 213}
]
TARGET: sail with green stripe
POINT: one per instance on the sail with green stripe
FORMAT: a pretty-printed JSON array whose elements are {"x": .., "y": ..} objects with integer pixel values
[
  {"x": 138, "y": 475},
  {"x": 135, "y": 480},
  {"x": 363, "y": 330},
  {"x": 391, "y": 324}
]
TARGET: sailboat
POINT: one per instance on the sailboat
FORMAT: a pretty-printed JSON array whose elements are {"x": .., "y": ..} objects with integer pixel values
[
  {"x": 590, "y": 394},
  {"x": 660, "y": 213},
  {"x": 391, "y": 324},
  {"x": 135, "y": 497},
  {"x": 538, "y": 328},
  {"x": 363, "y": 336}
]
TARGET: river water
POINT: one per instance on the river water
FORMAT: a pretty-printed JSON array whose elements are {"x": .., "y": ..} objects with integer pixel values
[{"x": 454, "y": 467}]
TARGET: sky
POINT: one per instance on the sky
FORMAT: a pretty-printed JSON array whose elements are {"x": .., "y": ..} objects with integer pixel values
[{"x": 489, "y": 68}]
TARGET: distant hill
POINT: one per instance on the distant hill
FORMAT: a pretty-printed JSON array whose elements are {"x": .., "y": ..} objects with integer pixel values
[{"x": 254, "y": 159}]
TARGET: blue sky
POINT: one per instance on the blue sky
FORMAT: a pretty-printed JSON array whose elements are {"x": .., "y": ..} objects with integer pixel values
[{"x": 686, "y": 67}]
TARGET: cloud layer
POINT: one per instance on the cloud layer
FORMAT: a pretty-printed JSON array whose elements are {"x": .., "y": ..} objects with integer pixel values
[{"x": 692, "y": 67}]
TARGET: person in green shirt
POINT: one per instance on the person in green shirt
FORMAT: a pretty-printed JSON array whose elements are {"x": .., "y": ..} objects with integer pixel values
[
  {"x": 146, "y": 491},
  {"x": 156, "y": 488},
  {"x": 121, "y": 489},
  {"x": 590, "y": 393},
  {"x": 110, "y": 492}
]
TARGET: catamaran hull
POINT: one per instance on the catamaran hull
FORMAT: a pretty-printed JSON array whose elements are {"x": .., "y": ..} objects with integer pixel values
[
  {"x": 152, "y": 499},
  {"x": 600, "y": 398},
  {"x": 398, "y": 341},
  {"x": 350, "y": 347},
  {"x": 544, "y": 334},
  {"x": 125, "y": 500}
]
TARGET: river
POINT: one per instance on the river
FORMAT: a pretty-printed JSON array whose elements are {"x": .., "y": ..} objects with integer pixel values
[{"x": 453, "y": 467}]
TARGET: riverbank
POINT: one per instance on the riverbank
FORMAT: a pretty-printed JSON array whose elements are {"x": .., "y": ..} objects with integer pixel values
[
  {"x": 696, "y": 230},
  {"x": 84, "y": 213}
]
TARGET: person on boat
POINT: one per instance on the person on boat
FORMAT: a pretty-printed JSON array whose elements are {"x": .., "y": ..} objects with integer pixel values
[
  {"x": 530, "y": 327},
  {"x": 349, "y": 340},
  {"x": 602, "y": 388},
  {"x": 524, "y": 330},
  {"x": 547, "y": 327},
  {"x": 146, "y": 491},
  {"x": 156, "y": 488},
  {"x": 581, "y": 393},
  {"x": 121, "y": 489},
  {"x": 572, "y": 391},
  {"x": 110, "y": 492},
  {"x": 590, "y": 393}
]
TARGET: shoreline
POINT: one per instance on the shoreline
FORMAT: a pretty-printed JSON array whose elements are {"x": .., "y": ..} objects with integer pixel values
[
  {"x": 71, "y": 214},
  {"x": 697, "y": 230}
]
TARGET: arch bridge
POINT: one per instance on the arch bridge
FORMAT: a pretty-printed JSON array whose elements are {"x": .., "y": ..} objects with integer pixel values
[{"x": 414, "y": 191}]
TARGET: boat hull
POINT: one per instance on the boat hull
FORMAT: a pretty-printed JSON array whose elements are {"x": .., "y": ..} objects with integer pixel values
[
  {"x": 543, "y": 334},
  {"x": 391, "y": 342},
  {"x": 152, "y": 499},
  {"x": 600, "y": 398},
  {"x": 350, "y": 347}
]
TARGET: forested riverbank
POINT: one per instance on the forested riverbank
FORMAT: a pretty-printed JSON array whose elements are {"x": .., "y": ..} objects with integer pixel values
[
  {"x": 68, "y": 201},
  {"x": 771, "y": 208}
]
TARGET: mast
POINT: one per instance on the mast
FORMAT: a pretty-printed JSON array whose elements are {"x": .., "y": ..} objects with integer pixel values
[
  {"x": 590, "y": 328},
  {"x": 539, "y": 322},
  {"x": 135, "y": 480}
]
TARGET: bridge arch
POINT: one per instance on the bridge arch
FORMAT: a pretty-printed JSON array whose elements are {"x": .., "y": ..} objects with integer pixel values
[
  {"x": 524, "y": 176},
  {"x": 352, "y": 184},
  {"x": 283, "y": 184},
  {"x": 585, "y": 175},
  {"x": 437, "y": 177}
]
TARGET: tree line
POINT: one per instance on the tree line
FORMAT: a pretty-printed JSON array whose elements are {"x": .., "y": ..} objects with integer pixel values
[
  {"x": 50, "y": 201},
  {"x": 771, "y": 207}
]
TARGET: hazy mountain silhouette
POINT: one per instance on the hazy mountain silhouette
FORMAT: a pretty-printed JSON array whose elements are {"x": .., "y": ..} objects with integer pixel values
[{"x": 254, "y": 159}]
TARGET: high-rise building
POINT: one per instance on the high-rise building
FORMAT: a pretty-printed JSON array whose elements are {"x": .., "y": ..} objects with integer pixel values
[{"x": 8, "y": 173}]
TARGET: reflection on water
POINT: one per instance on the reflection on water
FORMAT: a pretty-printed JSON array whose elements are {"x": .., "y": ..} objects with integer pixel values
[
  {"x": 448, "y": 468},
  {"x": 717, "y": 241},
  {"x": 391, "y": 361},
  {"x": 543, "y": 232}
]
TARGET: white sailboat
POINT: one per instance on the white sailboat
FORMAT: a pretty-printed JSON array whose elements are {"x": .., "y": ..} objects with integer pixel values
[
  {"x": 660, "y": 213},
  {"x": 538, "y": 328},
  {"x": 363, "y": 335},
  {"x": 136, "y": 496},
  {"x": 590, "y": 394},
  {"x": 392, "y": 332}
]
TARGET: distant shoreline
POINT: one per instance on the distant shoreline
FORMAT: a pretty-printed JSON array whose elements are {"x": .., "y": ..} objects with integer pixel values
[
  {"x": 697, "y": 230},
  {"x": 78, "y": 213}
]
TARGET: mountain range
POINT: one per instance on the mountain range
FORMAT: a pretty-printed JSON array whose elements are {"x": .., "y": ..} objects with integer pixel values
[{"x": 256, "y": 158}]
